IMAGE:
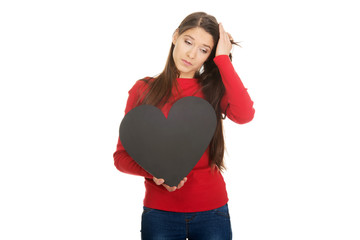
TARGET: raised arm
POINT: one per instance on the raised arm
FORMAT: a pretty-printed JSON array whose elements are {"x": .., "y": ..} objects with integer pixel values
[{"x": 236, "y": 102}]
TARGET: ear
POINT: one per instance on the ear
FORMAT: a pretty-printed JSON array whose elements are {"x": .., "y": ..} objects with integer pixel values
[{"x": 175, "y": 36}]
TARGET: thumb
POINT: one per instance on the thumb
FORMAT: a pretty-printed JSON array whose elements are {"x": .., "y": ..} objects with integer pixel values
[{"x": 158, "y": 181}]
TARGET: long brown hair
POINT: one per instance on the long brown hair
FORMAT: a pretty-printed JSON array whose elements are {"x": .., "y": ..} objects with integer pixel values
[{"x": 160, "y": 88}]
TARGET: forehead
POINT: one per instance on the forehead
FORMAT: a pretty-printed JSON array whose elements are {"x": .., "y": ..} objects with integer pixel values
[{"x": 200, "y": 36}]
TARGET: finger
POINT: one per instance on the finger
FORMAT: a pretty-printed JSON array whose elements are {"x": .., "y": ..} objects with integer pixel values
[
  {"x": 170, "y": 189},
  {"x": 227, "y": 38},
  {"x": 161, "y": 181},
  {"x": 221, "y": 30},
  {"x": 230, "y": 37},
  {"x": 158, "y": 181},
  {"x": 182, "y": 182}
]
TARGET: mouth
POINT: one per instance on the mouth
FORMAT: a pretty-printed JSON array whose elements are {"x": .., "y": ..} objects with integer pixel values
[{"x": 186, "y": 62}]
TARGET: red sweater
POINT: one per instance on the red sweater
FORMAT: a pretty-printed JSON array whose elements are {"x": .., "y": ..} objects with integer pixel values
[{"x": 204, "y": 189}]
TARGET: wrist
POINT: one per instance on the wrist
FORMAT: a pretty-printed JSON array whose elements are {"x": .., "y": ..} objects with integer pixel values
[{"x": 221, "y": 59}]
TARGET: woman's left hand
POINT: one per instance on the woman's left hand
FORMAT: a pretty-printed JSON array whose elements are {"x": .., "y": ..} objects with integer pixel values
[{"x": 224, "y": 45}]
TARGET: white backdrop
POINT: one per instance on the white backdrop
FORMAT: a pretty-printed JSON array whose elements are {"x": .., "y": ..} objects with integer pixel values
[{"x": 66, "y": 67}]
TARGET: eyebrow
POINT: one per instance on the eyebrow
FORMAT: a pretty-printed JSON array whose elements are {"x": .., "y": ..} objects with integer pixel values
[{"x": 194, "y": 39}]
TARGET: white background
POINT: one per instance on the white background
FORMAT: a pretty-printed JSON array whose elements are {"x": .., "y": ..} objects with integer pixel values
[{"x": 66, "y": 67}]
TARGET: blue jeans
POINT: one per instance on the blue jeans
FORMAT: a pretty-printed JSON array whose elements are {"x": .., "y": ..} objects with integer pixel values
[{"x": 207, "y": 225}]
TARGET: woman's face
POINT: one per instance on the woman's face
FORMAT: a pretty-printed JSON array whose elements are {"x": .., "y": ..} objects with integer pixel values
[{"x": 192, "y": 48}]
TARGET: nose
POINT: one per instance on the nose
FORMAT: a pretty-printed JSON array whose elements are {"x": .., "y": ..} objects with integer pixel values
[{"x": 192, "y": 53}]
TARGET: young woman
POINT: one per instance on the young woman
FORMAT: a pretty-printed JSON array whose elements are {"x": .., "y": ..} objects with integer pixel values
[{"x": 199, "y": 64}]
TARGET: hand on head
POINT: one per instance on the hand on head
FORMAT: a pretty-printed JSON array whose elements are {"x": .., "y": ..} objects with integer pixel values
[{"x": 224, "y": 45}]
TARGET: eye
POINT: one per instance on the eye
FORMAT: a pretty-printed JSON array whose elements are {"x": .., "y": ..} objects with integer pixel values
[
  {"x": 203, "y": 50},
  {"x": 187, "y": 42}
]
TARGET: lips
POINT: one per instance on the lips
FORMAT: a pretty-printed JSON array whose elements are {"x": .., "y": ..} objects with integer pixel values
[{"x": 186, "y": 62}]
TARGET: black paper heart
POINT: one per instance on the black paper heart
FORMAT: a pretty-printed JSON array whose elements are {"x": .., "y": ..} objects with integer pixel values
[{"x": 169, "y": 148}]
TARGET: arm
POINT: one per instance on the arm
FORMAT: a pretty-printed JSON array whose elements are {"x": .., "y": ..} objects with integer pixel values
[
  {"x": 236, "y": 101},
  {"x": 124, "y": 163},
  {"x": 122, "y": 160}
]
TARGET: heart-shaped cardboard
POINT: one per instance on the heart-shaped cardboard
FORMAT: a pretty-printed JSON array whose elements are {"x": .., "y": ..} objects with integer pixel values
[{"x": 169, "y": 148}]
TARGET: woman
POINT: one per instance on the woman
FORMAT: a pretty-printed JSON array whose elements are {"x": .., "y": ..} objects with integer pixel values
[{"x": 199, "y": 64}]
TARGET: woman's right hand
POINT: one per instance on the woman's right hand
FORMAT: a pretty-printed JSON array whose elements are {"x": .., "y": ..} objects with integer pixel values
[{"x": 160, "y": 181}]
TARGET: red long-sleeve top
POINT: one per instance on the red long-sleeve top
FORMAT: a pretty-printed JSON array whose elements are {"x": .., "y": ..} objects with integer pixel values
[{"x": 205, "y": 189}]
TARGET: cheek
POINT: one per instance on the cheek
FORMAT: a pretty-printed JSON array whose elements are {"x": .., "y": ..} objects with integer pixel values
[
  {"x": 177, "y": 51},
  {"x": 175, "y": 54},
  {"x": 202, "y": 59}
]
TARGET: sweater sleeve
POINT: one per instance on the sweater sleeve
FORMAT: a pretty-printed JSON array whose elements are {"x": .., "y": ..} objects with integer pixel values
[
  {"x": 122, "y": 160},
  {"x": 236, "y": 102}
]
